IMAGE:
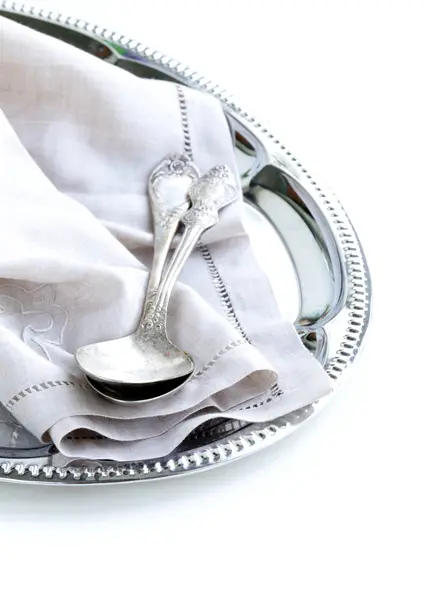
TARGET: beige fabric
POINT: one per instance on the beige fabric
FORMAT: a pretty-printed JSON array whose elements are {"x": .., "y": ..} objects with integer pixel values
[{"x": 78, "y": 139}]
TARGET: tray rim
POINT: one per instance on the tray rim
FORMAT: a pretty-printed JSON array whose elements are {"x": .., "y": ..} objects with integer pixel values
[{"x": 37, "y": 470}]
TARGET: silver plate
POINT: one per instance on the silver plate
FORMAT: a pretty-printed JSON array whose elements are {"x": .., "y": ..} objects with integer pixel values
[{"x": 300, "y": 233}]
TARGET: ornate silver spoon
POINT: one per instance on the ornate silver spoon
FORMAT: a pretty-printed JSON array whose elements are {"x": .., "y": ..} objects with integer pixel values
[
  {"x": 146, "y": 365},
  {"x": 169, "y": 181}
]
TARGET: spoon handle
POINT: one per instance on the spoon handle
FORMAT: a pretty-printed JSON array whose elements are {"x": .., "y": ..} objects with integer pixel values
[
  {"x": 173, "y": 174},
  {"x": 208, "y": 195}
]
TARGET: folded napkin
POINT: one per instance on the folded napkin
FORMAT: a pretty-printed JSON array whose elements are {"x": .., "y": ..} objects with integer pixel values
[{"x": 78, "y": 141}]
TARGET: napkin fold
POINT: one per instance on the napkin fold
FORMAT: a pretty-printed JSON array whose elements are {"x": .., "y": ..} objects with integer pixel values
[{"x": 78, "y": 141}]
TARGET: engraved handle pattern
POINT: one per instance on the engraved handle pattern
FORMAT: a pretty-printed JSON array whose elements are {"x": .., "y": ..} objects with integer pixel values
[
  {"x": 165, "y": 218},
  {"x": 208, "y": 195}
]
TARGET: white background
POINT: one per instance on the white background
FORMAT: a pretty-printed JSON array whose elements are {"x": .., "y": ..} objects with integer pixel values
[{"x": 348, "y": 507}]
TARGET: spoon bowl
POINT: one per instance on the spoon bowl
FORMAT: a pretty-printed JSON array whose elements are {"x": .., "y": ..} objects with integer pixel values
[
  {"x": 122, "y": 393},
  {"x": 134, "y": 360}
]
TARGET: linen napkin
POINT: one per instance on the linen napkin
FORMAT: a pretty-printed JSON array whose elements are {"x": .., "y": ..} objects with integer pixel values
[{"x": 78, "y": 140}]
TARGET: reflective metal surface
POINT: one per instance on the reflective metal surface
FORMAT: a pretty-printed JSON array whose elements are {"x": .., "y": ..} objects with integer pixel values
[
  {"x": 143, "y": 357},
  {"x": 146, "y": 365},
  {"x": 300, "y": 233}
]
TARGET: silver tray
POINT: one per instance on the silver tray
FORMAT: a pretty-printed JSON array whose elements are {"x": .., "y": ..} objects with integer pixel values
[{"x": 299, "y": 231}]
